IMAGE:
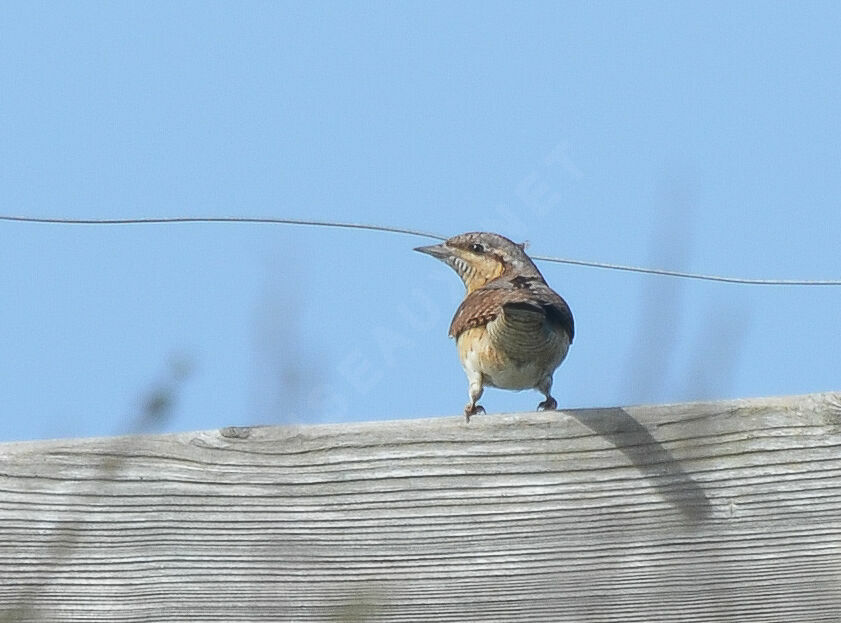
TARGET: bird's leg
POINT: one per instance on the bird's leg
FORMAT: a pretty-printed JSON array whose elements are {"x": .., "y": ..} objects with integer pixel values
[
  {"x": 475, "y": 391},
  {"x": 472, "y": 409},
  {"x": 545, "y": 387}
]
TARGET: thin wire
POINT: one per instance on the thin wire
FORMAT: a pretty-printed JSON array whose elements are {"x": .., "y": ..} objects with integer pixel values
[
  {"x": 420, "y": 234},
  {"x": 219, "y": 219},
  {"x": 685, "y": 275}
]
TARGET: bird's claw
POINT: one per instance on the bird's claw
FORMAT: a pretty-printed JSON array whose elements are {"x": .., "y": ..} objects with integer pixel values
[
  {"x": 550, "y": 404},
  {"x": 472, "y": 409}
]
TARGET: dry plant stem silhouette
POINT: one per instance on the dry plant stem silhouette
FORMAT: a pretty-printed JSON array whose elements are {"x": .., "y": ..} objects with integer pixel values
[
  {"x": 707, "y": 371},
  {"x": 155, "y": 409},
  {"x": 62, "y": 541},
  {"x": 711, "y": 368},
  {"x": 283, "y": 365},
  {"x": 651, "y": 357},
  {"x": 156, "y": 404}
]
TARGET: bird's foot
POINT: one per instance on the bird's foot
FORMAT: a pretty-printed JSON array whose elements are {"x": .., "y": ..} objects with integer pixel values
[
  {"x": 472, "y": 409},
  {"x": 550, "y": 404}
]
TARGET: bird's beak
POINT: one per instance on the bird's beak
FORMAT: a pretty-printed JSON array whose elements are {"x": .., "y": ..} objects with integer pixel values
[{"x": 438, "y": 251}]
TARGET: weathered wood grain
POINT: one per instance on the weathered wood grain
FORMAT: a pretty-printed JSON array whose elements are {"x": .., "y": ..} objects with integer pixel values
[{"x": 726, "y": 511}]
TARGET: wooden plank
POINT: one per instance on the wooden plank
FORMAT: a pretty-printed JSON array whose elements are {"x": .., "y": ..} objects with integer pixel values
[{"x": 725, "y": 511}]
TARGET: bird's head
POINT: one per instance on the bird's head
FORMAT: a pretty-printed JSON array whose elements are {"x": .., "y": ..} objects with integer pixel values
[{"x": 479, "y": 257}]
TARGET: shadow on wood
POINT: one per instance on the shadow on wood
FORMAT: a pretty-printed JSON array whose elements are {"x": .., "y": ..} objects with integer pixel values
[{"x": 649, "y": 456}]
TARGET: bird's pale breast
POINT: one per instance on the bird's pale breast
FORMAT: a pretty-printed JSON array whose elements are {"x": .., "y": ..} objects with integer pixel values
[{"x": 510, "y": 356}]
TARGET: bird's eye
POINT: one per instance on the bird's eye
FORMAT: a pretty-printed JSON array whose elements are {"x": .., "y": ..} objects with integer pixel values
[{"x": 477, "y": 248}]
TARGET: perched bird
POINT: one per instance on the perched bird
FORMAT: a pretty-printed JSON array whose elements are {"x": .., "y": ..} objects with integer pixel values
[{"x": 512, "y": 329}]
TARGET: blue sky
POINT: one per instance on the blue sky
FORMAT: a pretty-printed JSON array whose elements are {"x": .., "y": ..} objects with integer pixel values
[{"x": 701, "y": 136}]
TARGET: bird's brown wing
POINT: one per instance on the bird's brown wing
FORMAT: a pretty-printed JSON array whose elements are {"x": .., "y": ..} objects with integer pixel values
[
  {"x": 520, "y": 296},
  {"x": 477, "y": 309}
]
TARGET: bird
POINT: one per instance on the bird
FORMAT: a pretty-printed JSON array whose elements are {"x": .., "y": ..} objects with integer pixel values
[{"x": 512, "y": 330}]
